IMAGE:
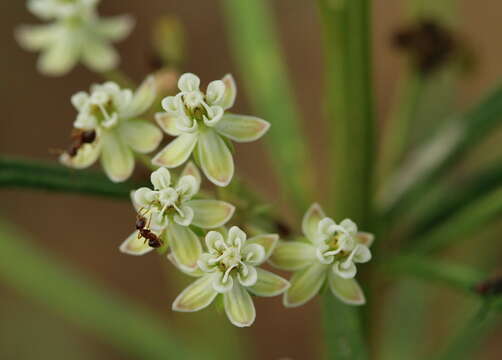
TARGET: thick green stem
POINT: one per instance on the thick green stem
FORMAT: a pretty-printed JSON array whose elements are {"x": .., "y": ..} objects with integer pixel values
[
  {"x": 350, "y": 104},
  {"x": 257, "y": 51},
  {"x": 21, "y": 173},
  {"x": 131, "y": 329}
]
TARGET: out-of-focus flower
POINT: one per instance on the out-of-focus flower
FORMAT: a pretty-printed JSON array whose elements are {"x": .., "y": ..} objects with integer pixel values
[
  {"x": 76, "y": 33},
  {"x": 170, "y": 209},
  {"x": 111, "y": 113},
  {"x": 230, "y": 267},
  {"x": 200, "y": 124},
  {"x": 330, "y": 251}
]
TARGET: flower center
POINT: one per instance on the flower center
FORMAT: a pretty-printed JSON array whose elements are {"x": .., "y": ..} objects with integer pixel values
[{"x": 231, "y": 258}]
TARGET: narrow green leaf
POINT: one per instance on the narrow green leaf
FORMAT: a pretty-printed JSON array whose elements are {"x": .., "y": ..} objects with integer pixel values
[
  {"x": 22, "y": 173},
  {"x": 131, "y": 329},
  {"x": 256, "y": 49},
  {"x": 440, "y": 153},
  {"x": 457, "y": 276},
  {"x": 467, "y": 340},
  {"x": 465, "y": 221}
]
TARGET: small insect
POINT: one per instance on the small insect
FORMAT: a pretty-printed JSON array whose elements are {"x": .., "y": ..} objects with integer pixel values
[
  {"x": 143, "y": 231},
  {"x": 79, "y": 138}
]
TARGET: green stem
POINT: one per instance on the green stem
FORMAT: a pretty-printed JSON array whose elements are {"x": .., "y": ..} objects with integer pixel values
[
  {"x": 256, "y": 49},
  {"x": 346, "y": 32},
  {"x": 131, "y": 329},
  {"x": 21, "y": 173}
]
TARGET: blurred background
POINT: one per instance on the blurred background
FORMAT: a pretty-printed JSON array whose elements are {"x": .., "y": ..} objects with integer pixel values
[{"x": 84, "y": 232}]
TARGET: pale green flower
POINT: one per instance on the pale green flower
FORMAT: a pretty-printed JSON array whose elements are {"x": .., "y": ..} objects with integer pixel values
[
  {"x": 230, "y": 267},
  {"x": 200, "y": 124},
  {"x": 76, "y": 33},
  {"x": 330, "y": 251},
  {"x": 112, "y": 114},
  {"x": 170, "y": 208}
]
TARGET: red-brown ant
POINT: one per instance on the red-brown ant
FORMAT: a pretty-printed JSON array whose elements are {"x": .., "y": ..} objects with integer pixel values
[
  {"x": 143, "y": 231},
  {"x": 79, "y": 138}
]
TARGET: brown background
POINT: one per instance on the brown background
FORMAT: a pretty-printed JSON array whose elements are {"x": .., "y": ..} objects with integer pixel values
[{"x": 85, "y": 232}]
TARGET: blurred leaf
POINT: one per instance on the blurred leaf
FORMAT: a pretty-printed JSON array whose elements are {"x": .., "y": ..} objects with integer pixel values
[
  {"x": 466, "y": 221},
  {"x": 131, "y": 329},
  {"x": 438, "y": 155},
  {"x": 468, "y": 339},
  {"x": 456, "y": 276},
  {"x": 448, "y": 198},
  {"x": 22, "y": 173},
  {"x": 256, "y": 49}
]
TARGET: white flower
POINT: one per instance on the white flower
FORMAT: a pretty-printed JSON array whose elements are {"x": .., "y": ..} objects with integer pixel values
[
  {"x": 330, "y": 252},
  {"x": 111, "y": 113},
  {"x": 230, "y": 267},
  {"x": 200, "y": 124},
  {"x": 77, "y": 33},
  {"x": 170, "y": 209}
]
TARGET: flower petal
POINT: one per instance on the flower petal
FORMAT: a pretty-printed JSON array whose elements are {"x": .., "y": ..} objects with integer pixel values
[
  {"x": 140, "y": 135},
  {"x": 196, "y": 296},
  {"x": 59, "y": 58},
  {"x": 230, "y": 92},
  {"x": 191, "y": 169},
  {"x": 365, "y": 238},
  {"x": 347, "y": 290},
  {"x": 305, "y": 284},
  {"x": 115, "y": 28},
  {"x": 117, "y": 158},
  {"x": 239, "y": 306},
  {"x": 210, "y": 214},
  {"x": 185, "y": 246},
  {"x": 142, "y": 99},
  {"x": 267, "y": 241},
  {"x": 292, "y": 256},
  {"x": 36, "y": 37},
  {"x": 195, "y": 273},
  {"x": 215, "y": 158},
  {"x": 311, "y": 221},
  {"x": 188, "y": 82},
  {"x": 268, "y": 284},
  {"x": 176, "y": 152},
  {"x": 98, "y": 55},
  {"x": 242, "y": 128},
  {"x": 85, "y": 157},
  {"x": 160, "y": 179},
  {"x": 168, "y": 123},
  {"x": 135, "y": 245}
]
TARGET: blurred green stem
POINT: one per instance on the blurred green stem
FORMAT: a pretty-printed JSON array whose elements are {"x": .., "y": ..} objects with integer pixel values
[
  {"x": 256, "y": 49},
  {"x": 346, "y": 32},
  {"x": 131, "y": 329},
  {"x": 22, "y": 173}
]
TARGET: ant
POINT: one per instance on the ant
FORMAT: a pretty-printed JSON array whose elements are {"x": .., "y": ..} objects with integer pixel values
[
  {"x": 79, "y": 138},
  {"x": 143, "y": 231}
]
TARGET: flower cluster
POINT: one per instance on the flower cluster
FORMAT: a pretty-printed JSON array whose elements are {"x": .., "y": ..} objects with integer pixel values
[
  {"x": 111, "y": 114},
  {"x": 328, "y": 251},
  {"x": 76, "y": 33},
  {"x": 200, "y": 125}
]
